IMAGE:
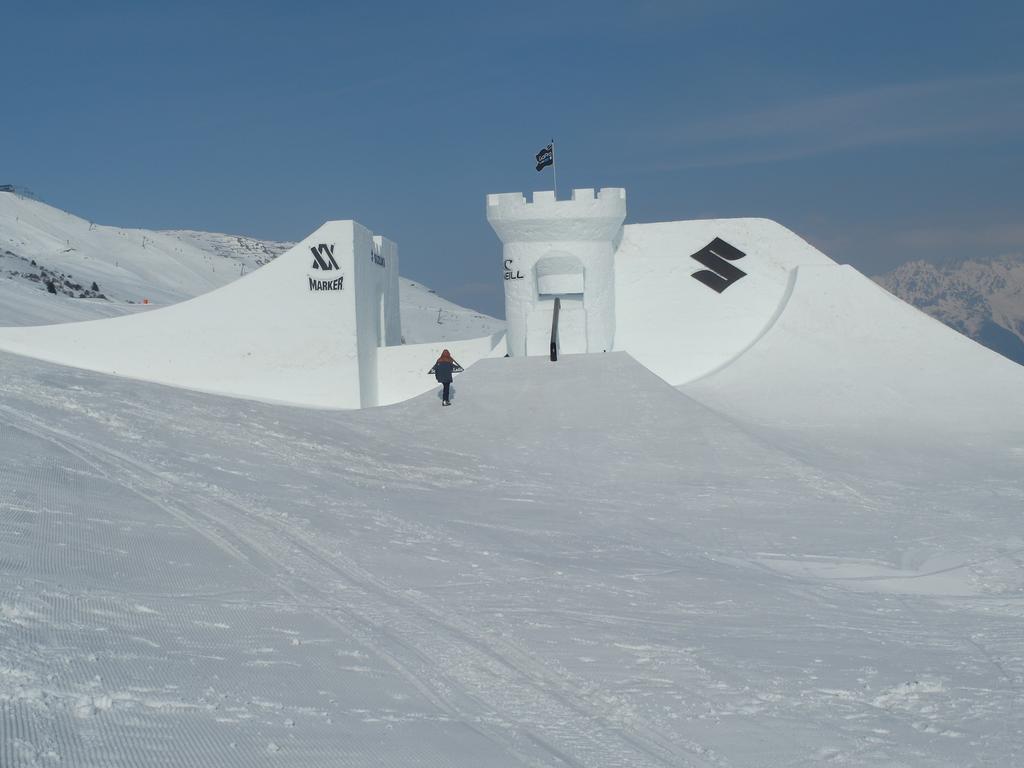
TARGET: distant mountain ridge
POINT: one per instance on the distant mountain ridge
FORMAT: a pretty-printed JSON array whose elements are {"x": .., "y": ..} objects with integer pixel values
[{"x": 983, "y": 299}]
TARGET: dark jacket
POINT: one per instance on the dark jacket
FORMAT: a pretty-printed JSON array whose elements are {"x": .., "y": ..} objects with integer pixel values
[{"x": 443, "y": 371}]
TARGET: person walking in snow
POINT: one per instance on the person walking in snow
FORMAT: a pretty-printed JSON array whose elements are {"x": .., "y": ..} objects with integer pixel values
[{"x": 442, "y": 371}]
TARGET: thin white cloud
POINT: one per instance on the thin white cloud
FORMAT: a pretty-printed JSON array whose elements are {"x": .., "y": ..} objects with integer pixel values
[{"x": 884, "y": 115}]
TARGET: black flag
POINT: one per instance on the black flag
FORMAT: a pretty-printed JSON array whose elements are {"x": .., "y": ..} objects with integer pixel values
[{"x": 545, "y": 157}]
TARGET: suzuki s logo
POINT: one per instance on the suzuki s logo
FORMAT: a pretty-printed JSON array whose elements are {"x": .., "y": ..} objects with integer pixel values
[
  {"x": 323, "y": 257},
  {"x": 720, "y": 274}
]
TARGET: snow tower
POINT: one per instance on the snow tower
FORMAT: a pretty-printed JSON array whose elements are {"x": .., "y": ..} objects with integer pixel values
[{"x": 565, "y": 250}]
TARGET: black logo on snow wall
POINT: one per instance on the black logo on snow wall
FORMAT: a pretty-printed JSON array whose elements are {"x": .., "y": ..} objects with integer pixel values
[
  {"x": 337, "y": 284},
  {"x": 510, "y": 272},
  {"x": 323, "y": 259},
  {"x": 720, "y": 274}
]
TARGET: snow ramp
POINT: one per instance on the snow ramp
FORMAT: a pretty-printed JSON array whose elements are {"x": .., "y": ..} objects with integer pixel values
[
  {"x": 579, "y": 398},
  {"x": 756, "y": 323},
  {"x": 319, "y": 326},
  {"x": 844, "y": 353},
  {"x": 682, "y": 320},
  {"x": 293, "y": 331}
]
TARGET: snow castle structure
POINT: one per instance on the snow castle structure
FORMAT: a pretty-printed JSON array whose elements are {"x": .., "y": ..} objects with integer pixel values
[
  {"x": 565, "y": 250},
  {"x": 707, "y": 304}
]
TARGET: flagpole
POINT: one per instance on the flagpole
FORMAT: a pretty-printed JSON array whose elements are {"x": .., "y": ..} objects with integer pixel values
[{"x": 554, "y": 167}]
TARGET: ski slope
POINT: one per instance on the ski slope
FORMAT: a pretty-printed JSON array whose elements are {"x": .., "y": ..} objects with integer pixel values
[
  {"x": 575, "y": 565},
  {"x": 127, "y": 264}
]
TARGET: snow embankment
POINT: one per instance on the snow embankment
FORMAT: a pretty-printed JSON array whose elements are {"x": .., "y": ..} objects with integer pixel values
[{"x": 845, "y": 354}]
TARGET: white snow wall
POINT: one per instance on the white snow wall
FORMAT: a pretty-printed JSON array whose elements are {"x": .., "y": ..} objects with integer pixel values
[
  {"x": 304, "y": 329},
  {"x": 565, "y": 249},
  {"x": 378, "y": 321}
]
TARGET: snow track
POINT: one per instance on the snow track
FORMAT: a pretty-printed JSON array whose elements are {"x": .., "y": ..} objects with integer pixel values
[{"x": 475, "y": 678}]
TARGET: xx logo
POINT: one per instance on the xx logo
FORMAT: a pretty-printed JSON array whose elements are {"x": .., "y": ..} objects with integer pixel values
[
  {"x": 720, "y": 274},
  {"x": 323, "y": 257}
]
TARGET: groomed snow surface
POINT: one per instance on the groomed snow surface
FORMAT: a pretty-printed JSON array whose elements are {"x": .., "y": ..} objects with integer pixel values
[{"x": 574, "y": 565}]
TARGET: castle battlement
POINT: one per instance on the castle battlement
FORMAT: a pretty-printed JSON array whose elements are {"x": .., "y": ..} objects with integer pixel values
[{"x": 587, "y": 216}]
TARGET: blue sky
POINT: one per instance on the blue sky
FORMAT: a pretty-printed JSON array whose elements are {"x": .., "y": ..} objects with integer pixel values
[{"x": 880, "y": 131}]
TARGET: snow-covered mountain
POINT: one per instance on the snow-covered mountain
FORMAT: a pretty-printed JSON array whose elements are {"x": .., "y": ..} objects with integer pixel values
[
  {"x": 57, "y": 267},
  {"x": 983, "y": 299}
]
